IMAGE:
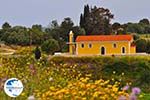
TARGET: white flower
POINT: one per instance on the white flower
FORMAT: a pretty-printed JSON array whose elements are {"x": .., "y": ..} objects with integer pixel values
[
  {"x": 114, "y": 72},
  {"x": 31, "y": 97},
  {"x": 50, "y": 79}
]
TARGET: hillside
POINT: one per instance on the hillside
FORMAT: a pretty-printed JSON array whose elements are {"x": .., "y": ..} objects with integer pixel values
[
  {"x": 135, "y": 70},
  {"x": 78, "y": 77}
]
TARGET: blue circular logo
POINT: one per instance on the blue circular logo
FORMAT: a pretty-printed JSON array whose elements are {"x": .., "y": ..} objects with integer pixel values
[{"x": 13, "y": 87}]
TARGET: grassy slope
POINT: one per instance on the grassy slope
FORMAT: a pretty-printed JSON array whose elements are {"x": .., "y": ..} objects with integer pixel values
[
  {"x": 65, "y": 69},
  {"x": 145, "y": 36},
  {"x": 132, "y": 70}
]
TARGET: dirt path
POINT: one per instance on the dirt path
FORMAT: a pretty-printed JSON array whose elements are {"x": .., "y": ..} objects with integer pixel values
[{"x": 7, "y": 51}]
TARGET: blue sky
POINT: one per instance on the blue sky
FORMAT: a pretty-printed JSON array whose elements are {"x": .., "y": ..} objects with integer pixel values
[{"x": 29, "y": 12}]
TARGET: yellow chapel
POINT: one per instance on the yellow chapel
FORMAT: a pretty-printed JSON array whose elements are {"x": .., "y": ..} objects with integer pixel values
[{"x": 101, "y": 45}]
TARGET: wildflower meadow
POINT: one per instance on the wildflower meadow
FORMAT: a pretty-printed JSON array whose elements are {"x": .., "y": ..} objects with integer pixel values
[{"x": 76, "y": 78}]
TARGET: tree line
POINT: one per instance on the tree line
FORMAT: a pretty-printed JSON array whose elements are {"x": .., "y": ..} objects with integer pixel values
[
  {"x": 93, "y": 21},
  {"x": 51, "y": 38}
]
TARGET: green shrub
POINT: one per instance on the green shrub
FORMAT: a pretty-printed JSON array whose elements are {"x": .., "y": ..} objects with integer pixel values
[
  {"x": 141, "y": 45},
  {"x": 50, "y": 46},
  {"x": 148, "y": 47}
]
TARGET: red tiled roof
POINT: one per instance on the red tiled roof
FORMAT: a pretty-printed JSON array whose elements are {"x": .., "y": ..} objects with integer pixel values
[{"x": 104, "y": 38}]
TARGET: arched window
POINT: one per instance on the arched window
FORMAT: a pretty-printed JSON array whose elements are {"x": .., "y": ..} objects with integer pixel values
[
  {"x": 114, "y": 45},
  {"x": 123, "y": 50},
  {"x": 102, "y": 51},
  {"x": 90, "y": 45},
  {"x": 82, "y": 45}
]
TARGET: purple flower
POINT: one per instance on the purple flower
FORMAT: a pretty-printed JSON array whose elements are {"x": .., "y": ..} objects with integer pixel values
[
  {"x": 125, "y": 87},
  {"x": 132, "y": 97},
  {"x": 32, "y": 69},
  {"x": 122, "y": 98},
  {"x": 136, "y": 90}
]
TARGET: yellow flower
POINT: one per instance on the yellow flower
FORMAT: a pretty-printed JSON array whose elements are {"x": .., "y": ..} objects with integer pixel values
[
  {"x": 109, "y": 86},
  {"x": 52, "y": 88},
  {"x": 141, "y": 96},
  {"x": 112, "y": 94},
  {"x": 23, "y": 94},
  {"x": 95, "y": 94},
  {"x": 82, "y": 93},
  {"x": 88, "y": 75},
  {"x": 98, "y": 81},
  {"x": 112, "y": 79},
  {"x": 84, "y": 98},
  {"x": 115, "y": 89},
  {"x": 106, "y": 82}
]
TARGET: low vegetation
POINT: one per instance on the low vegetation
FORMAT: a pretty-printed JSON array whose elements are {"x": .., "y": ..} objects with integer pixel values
[{"x": 67, "y": 77}]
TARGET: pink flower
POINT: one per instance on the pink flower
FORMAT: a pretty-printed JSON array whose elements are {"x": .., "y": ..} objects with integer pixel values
[
  {"x": 125, "y": 87},
  {"x": 31, "y": 66}
]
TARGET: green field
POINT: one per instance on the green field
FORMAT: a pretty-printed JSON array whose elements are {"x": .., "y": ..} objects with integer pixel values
[
  {"x": 145, "y": 36},
  {"x": 77, "y": 78}
]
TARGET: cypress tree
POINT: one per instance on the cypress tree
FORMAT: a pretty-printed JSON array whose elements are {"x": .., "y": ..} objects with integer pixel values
[
  {"x": 84, "y": 17},
  {"x": 96, "y": 21},
  {"x": 37, "y": 53},
  {"x": 81, "y": 21}
]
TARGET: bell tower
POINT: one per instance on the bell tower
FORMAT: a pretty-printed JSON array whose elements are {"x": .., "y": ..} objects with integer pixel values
[{"x": 71, "y": 40}]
